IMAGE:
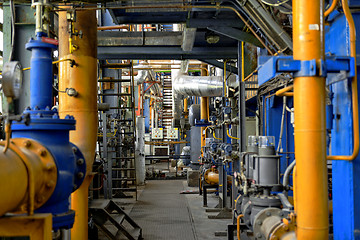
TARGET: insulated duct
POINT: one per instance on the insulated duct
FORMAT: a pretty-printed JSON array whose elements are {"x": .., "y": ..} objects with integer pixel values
[
  {"x": 146, "y": 75},
  {"x": 199, "y": 86}
]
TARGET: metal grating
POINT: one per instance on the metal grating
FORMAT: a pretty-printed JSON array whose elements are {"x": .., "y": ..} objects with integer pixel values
[{"x": 162, "y": 212}]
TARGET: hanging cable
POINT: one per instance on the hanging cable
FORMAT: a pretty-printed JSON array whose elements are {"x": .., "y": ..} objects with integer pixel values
[
  {"x": 12, "y": 10},
  {"x": 282, "y": 123}
]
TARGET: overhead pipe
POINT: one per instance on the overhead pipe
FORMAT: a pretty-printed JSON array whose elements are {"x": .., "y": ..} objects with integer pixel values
[
  {"x": 146, "y": 74},
  {"x": 199, "y": 86},
  {"x": 83, "y": 78},
  {"x": 217, "y": 7},
  {"x": 310, "y": 124}
]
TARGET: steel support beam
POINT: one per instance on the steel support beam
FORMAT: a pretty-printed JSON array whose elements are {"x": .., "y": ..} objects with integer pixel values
[
  {"x": 236, "y": 34},
  {"x": 218, "y": 64},
  {"x": 163, "y": 53},
  {"x": 116, "y": 38}
]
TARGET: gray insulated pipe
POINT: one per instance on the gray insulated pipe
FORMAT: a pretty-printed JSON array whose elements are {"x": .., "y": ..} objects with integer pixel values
[
  {"x": 199, "y": 86},
  {"x": 148, "y": 75}
]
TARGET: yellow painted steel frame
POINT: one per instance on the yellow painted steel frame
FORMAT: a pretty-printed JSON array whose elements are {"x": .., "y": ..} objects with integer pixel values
[
  {"x": 37, "y": 227},
  {"x": 310, "y": 127},
  {"x": 83, "y": 78}
]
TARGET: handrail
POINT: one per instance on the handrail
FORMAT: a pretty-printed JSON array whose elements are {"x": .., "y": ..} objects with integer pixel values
[{"x": 354, "y": 86}]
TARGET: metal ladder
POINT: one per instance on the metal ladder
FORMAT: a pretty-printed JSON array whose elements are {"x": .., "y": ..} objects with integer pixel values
[
  {"x": 120, "y": 167},
  {"x": 109, "y": 218}
]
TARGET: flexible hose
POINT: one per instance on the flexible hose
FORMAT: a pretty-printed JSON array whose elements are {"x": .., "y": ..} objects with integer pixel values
[{"x": 287, "y": 173}]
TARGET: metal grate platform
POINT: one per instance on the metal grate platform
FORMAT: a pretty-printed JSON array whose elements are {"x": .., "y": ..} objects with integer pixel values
[{"x": 163, "y": 213}]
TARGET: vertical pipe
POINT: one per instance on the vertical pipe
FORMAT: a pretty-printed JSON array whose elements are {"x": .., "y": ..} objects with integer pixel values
[
  {"x": 203, "y": 110},
  {"x": 83, "y": 78},
  {"x": 310, "y": 137},
  {"x": 41, "y": 84}
]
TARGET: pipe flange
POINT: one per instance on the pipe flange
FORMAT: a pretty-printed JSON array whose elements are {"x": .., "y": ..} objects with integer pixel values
[
  {"x": 265, "y": 221},
  {"x": 285, "y": 229},
  {"x": 266, "y": 201},
  {"x": 46, "y": 187}
]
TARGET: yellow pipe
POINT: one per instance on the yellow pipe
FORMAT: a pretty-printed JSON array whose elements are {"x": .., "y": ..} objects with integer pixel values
[
  {"x": 310, "y": 124},
  {"x": 213, "y": 178},
  {"x": 215, "y": 136},
  {"x": 354, "y": 86},
  {"x": 238, "y": 225},
  {"x": 331, "y": 8},
  {"x": 285, "y": 92},
  {"x": 228, "y": 133},
  {"x": 204, "y": 110},
  {"x": 83, "y": 78},
  {"x": 203, "y": 115},
  {"x": 28, "y": 176}
]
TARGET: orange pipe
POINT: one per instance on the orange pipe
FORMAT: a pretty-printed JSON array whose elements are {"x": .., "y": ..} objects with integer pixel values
[
  {"x": 204, "y": 109},
  {"x": 83, "y": 78},
  {"x": 203, "y": 115},
  {"x": 331, "y": 8},
  {"x": 354, "y": 86},
  {"x": 238, "y": 225},
  {"x": 285, "y": 92},
  {"x": 113, "y": 27},
  {"x": 28, "y": 175},
  {"x": 310, "y": 124},
  {"x": 213, "y": 178}
]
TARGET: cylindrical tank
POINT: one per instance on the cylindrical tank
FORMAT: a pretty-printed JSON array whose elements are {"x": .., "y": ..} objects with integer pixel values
[
  {"x": 267, "y": 164},
  {"x": 140, "y": 151},
  {"x": 252, "y": 150}
]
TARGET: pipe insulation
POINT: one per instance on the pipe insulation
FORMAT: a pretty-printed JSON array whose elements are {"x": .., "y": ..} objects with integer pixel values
[
  {"x": 199, "y": 86},
  {"x": 146, "y": 75}
]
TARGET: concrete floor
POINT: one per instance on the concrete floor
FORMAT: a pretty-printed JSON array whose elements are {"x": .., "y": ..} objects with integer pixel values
[{"x": 164, "y": 213}]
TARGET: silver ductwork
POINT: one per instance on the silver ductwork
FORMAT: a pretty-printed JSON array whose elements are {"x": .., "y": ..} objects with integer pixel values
[
  {"x": 199, "y": 86},
  {"x": 146, "y": 75}
]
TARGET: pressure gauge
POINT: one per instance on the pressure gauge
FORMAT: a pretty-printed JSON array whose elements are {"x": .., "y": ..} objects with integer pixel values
[{"x": 12, "y": 78}]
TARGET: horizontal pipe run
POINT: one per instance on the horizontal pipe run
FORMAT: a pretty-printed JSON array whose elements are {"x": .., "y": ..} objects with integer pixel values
[
  {"x": 200, "y": 86},
  {"x": 285, "y": 92},
  {"x": 28, "y": 175}
]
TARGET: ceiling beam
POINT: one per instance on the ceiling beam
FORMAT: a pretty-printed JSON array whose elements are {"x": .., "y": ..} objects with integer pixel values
[
  {"x": 164, "y": 53},
  {"x": 218, "y": 64},
  {"x": 237, "y": 35}
]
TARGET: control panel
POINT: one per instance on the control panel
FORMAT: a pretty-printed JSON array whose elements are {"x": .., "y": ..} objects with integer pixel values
[
  {"x": 157, "y": 133},
  {"x": 172, "y": 133}
]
